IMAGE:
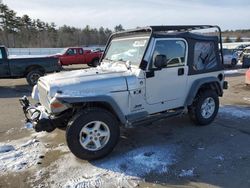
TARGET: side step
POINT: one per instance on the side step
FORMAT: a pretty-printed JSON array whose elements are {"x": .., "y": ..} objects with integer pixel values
[{"x": 155, "y": 117}]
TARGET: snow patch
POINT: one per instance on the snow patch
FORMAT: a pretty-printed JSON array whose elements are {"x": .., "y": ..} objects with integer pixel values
[
  {"x": 6, "y": 148},
  {"x": 238, "y": 112},
  {"x": 187, "y": 173},
  {"x": 141, "y": 161},
  {"x": 123, "y": 170},
  {"x": 228, "y": 72},
  {"x": 17, "y": 156},
  {"x": 29, "y": 142}
]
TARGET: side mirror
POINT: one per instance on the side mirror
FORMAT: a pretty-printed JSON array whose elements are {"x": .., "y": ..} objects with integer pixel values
[{"x": 160, "y": 61}]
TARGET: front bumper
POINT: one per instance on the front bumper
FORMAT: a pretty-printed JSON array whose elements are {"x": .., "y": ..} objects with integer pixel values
[{"x": 37, "y": 116}]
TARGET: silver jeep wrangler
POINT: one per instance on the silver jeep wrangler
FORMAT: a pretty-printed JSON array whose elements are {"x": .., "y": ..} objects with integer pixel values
[{"x": 144, "y": 75}]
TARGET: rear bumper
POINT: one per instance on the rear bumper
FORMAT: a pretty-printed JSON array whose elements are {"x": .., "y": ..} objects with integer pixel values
[{"x": 37, "y": 116}]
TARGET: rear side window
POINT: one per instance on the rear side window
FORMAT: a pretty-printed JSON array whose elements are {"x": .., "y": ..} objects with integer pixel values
[
  {"x": 1, "y": 55},
  {"x": 80, "y": 51},
  {"x": 204, "y": 56}
]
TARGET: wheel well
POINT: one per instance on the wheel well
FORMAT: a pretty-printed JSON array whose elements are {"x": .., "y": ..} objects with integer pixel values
[
  {"x": 103, "y": 105},
  {"x": 34, "y": 67},
  {"x": 211, "y": 86}
]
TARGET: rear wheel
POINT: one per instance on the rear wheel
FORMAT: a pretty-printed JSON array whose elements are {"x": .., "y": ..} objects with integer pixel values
[
  {"x": 204, "y": 108},
  {"x": 33, "y": 76},
  {"x": 92, "y": 134}
]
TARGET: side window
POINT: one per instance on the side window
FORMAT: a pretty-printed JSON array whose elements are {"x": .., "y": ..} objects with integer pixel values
[
  {"x": 80, "y": 51},
  {"x": 174, "y": 50},
  {"x": 204, "y": 56},
  {"x": 71, "y": 52}
]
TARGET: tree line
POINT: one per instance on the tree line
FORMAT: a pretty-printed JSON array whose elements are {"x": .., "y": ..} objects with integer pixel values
[{"x": 24, "y": 32}]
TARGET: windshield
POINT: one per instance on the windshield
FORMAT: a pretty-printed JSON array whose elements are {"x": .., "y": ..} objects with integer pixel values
[{"x": 127, "y": 49}]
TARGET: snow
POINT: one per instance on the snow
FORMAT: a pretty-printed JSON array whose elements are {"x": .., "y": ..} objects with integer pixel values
[
  {"x": 187, "y": 173},
  {"x": 19, "y": 155},
  {"x": 228, "y": 72},
  {"x": 29, "y": 142},
  {"x": 121, "y": 170},
  {"x": 238, "y": 112},
  {"x": 6, "y": 148}
]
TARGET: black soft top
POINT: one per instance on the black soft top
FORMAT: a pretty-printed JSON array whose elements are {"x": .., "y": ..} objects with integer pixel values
[{"x": 183, "y": 31}]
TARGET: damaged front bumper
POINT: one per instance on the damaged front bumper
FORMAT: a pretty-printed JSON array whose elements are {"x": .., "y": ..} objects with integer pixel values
[{"x": 37, "y": 116}]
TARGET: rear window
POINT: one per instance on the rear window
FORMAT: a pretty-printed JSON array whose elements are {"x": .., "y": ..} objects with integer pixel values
[{"x": 204, "y": 56}]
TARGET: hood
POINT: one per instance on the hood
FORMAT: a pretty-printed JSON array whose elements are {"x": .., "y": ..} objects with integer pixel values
[{"x": 88, "y": 82}]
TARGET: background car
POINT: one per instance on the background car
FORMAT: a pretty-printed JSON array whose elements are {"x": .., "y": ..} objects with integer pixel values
[
  {"x": 78, "y": 55},
  {"x": 245, "y": 57},
  {"x": 230, "y": 57}
]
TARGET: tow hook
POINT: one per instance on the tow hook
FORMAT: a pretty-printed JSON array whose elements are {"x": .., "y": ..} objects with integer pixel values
[
  {"x": 25, "y": 103},
  {"x": 36, "y": 117}
]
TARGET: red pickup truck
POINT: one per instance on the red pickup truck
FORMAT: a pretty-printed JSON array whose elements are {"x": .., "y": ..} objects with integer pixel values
[{"x": 78, "y": 55}]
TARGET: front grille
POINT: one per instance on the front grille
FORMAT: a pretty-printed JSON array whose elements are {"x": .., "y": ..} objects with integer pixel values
[{"x": 43, "y": 95}]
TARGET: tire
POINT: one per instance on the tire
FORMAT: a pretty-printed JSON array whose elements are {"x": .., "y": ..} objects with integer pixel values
[
  {"x": 233, "y": 62},
  {"x": 33, "y": 76},
  {"x": 206, "y": 116},
  {"x": 95, "y": 62},
  {"x": 84, "y": 125}
]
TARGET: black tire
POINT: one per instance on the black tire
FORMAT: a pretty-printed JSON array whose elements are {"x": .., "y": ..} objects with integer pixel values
[
  {"x": 233, "y": 62},
  {"x": 195, "y": 111},
  {"x": 95, "y": 62},
  {"x": 84, "y": 118},
  {"x": 33, "y": 76}
]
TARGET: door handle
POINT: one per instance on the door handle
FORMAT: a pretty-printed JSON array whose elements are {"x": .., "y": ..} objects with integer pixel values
[{"x": 180, "y": 71}]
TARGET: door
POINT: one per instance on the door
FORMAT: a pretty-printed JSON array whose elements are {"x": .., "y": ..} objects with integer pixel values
[
  {"x": 169, "y": 82},
  {"x": 4, "y": 66},
  {"x": 70, "y": 57},
  {"x": 80, "y": 56}
]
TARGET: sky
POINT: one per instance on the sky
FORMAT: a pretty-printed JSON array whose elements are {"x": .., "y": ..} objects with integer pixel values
[{"x": 228, "y": 14}]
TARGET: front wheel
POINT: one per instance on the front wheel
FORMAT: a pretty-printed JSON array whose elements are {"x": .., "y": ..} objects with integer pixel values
[
  {"x": 204, "y": 108},
  {"x": 92, "y": 134}
]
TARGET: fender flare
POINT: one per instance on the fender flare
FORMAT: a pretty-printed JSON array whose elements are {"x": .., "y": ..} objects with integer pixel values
[
  {"x": 103, "y": 98},
  {"x": 212, "y": 81}
]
